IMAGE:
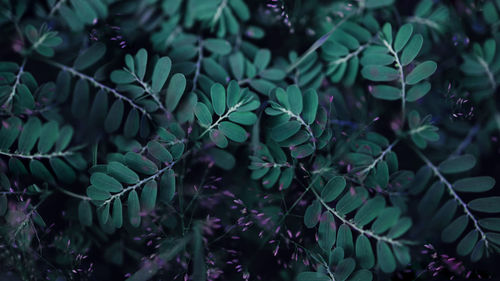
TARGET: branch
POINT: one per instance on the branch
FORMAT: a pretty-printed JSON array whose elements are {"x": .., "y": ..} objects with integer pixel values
[
  {"x": 99, "y": 85},
  {"x": 454, "y": 194},
  {"x": 354, "y": 226}
]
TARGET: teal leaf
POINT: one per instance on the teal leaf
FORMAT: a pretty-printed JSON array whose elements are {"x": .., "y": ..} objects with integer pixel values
[
  {"x": 104, "y": 182},
  {"x": 218, "y": 95},
  {"x": 486, "y": 205},
  {"x": 134, "y": 209},
  {"x": 160, "y": 73},
  {"x": 421, "y": 72},
  {"x": 232, "y": 131}
]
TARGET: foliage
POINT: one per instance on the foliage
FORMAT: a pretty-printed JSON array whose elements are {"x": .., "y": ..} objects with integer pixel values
[{"x": 249, "y": 140}]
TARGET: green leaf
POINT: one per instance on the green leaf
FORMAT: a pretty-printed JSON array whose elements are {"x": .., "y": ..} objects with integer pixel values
[
  {"x": 103, "y": 213},
  {"x": 122, "y": 77},
  {"x": 203, "y": 114},
  {"x": 490, "y": 223},
  {"x": 420, "y": 72},
  {"x": 218, "y": 138},
  {"x": 262, "y": 59},
  {"x": 97, "y": 194},
  {"x": 131, "y": 126},
  {"x": 302, "y": 151},
  {"x": 312, "y": 214},
  {"x": 412, "y": 49},
  {"x": 386, "y": 92},
  {"x": 62, "y": 171},
  {"x": 387, "y": 218},
  {"x": 233, "y": 93},
  {"x": 141, "y": 61},
  {"x": 105, "y": 183},
  {"x": 310, "y": 106},
  {"x": 117, "y": 215},
  {"x": 122, "y": 173},
  {"x": 48, "y": 136},
  {"x": 364, "y": 252},
  {"x": 457, "y": 164},
  {"x": 85, "y": 213},
  {"x": 29, "y": 135},
  {"x": 344, "y": 269},
  {"x": 312, "y": 276},
  {"x": 90, "y": 56},
  {"x": 175, "y": 90},
  {"x": 363, "y": 274},
  {"x": 243, "y": 118},
  {"x": 486, "y": 205},
  {"x": 232, "y": 131},
  {"x": 379, "y": 73},
  {"x": 385, "y": 257},
  {"x": 333, "y": 188},
  {"x": 369, "y": 211},
  {"x": 294, "y": 99},
  {"x": 160, "y": 73},
  {"x": 114, "y": 117},
  {"x": 167, "y": 186},
  {"x": 140, "y": 164},
  {"x": 217, "y": 46},
  {"x": 148, "y": 196},
  {"x": 218, "y": 95},
  {"x": 418, "y": 91},
  {"x": 285, "y": 130},
  {"x": 327, "y": 232},
  {"x": 344, "y": 239},
  {"x": 134, "y": 209},
  {"x": 467, "y": 243},
  {"x": 159, "y": 152},
  {"x": 474, "y": 184},
  {"x": 454, "y": 229},
  {"x": 402, "y": 37}
]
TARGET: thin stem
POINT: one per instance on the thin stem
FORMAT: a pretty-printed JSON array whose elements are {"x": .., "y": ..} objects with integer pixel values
[
  {"x": 491, "y": 76},
  {"x": 401, "y": 78},
  {"x": 98, "y": 85},
  {"x": 226, "y": 115},
  {"x": 37, "y": 155},
  {"x": 56, "y": 7},
  {"x": 303, "y": 123},
  {"x": 133, "y": 187},
  {"x": 316, "y": 45},
  {"x": 354, "y": 226},
  {"x": 198, "y": 64},
  {"x": 350, "y": 55},
  {"x": 453, "y": 194},
  {"x": 149, "y": 91},
  {"x": 16, "y": 83},
  {"x": 78, "y": 196},
  {"x": 378, "y": 159}
]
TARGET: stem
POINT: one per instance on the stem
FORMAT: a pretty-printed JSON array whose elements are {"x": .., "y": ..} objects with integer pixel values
[
  {"x": 148, "y": 90},
  {"x": 316, "y": 45},
  {"x": 133, "y": 187},
  {"x": 401, "y": 77},
  {"x": 198, "y": 64},
  {"x": 303, "y": 123},
  {"x": 37, "y": 155},
  {"x": 16, "y": 83},
  {"x": 453, "y": 193},
  {"x": 98, "y": 85},
  {"x": 226, "y": 115},
  {"x": 491, "y": 76},
  {"x": 378, "y": 159},
  {"x": 354, "y": 226},
  {"x": 78, "y": 196}
]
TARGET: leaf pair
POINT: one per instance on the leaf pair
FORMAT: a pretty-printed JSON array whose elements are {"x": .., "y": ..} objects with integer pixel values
[
  {"x": 51, "y": 143},
  {"x": 390, "y": 61},
  {"x": 233, "y": 108},
  {"x": 270, "y": 164},
  {"x": 421, "y": 130},
  {"x": 134, "y": 81},
  {"x": 298, "y": 122}
]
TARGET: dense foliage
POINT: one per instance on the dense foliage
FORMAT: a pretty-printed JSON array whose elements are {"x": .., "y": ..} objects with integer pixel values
[{"x": 323, "y": 140}]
